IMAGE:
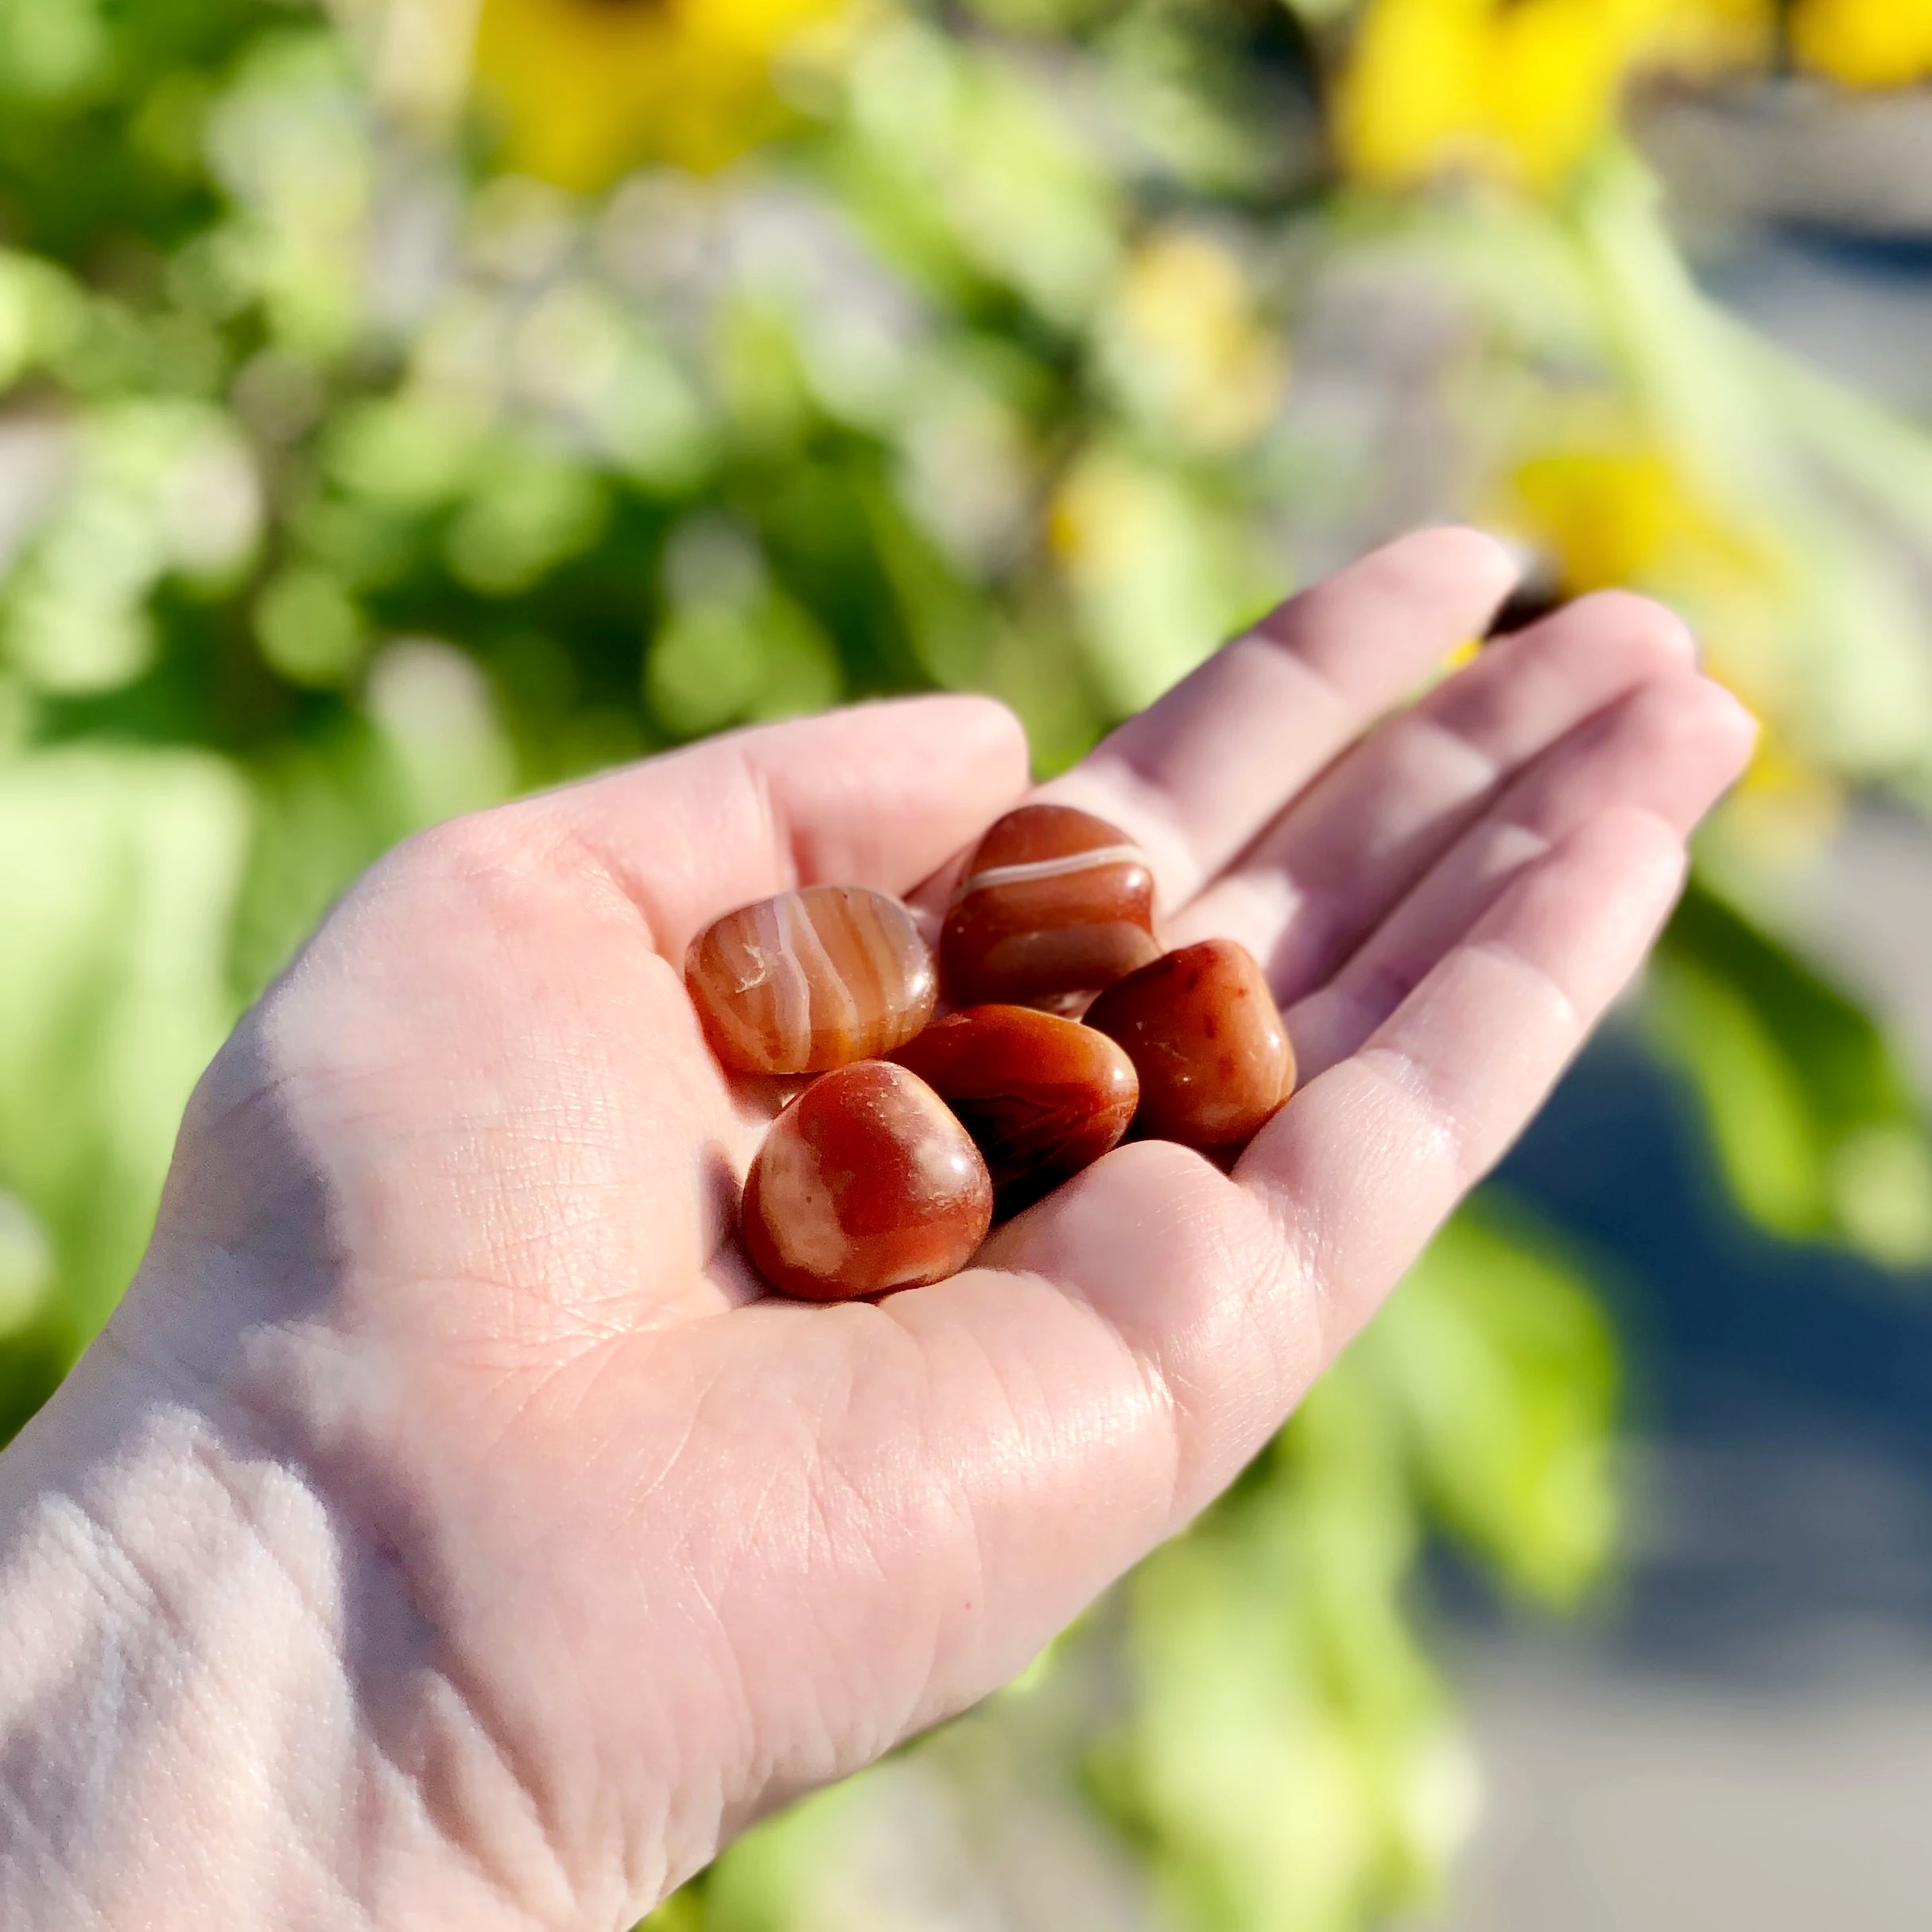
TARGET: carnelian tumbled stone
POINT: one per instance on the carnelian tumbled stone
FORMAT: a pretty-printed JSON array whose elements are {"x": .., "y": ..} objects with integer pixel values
[
  {"x": 1054, "y": 901},
  {"x": 1206, "y": 1037},
  {"x": 811, "y": 979},
  {"x": 865, "y": 1183},
  {"x": 1041, "y": 1096}
]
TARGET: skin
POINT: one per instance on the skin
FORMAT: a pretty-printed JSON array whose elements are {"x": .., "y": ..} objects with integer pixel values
[{"x": 448, "y": 1531}]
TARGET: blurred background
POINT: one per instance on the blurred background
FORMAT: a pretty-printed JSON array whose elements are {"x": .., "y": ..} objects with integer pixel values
[{"x": 407, "y": 404}]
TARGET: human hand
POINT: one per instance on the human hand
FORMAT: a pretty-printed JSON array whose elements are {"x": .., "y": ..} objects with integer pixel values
[{"x": 607, "y": 1549}]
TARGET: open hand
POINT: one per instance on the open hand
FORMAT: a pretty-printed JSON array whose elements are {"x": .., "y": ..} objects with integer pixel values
[{"x": 615, "y": 1549}]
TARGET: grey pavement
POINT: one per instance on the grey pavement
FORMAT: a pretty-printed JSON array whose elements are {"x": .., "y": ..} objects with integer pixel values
[{"x": 1740, "y": 1734}]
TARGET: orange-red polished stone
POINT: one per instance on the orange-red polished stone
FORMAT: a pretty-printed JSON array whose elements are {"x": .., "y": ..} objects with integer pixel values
[
  {"x": 1206, "y": 1037},
  {"x": 811, "y": 979},
  {"x": 865, "y": 1183},
  {"x": 1041, "y": 1096},
  {"x": 1054, "y": 901}
]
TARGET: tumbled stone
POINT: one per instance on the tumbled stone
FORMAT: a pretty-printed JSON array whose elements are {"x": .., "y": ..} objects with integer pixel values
[
  {"x": 864, "y": 1184},
  {"x": 1041, "y": 1096},
  {"x": 811, "y": 980},
  {"x": 1054, "y": 903},
  {"x": 1206, "y": 1038}
]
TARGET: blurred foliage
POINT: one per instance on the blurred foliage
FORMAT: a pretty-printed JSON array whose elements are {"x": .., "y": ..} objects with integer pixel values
[
  {"x": 1287, "y": 1751},
  {"x": 403, "y": 407},
  {"x": 1814, "y": 1117}
]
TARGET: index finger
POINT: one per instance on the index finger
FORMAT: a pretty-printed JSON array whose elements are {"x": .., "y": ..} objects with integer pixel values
[{"x": 1196, "y": 776}]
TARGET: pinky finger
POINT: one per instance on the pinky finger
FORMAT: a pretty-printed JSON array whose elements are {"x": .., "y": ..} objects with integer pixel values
[{"x": 1362, "y": 1165}]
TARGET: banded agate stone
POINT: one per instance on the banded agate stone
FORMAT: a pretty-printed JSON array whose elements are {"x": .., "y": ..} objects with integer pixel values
[
  {"x": 864, "y": 1184},
  {"x": 1206, "y": 1038},
  {"x": 811, "y": 979},
  {"x": 1055, "y": 902},
  {"x": 1041, "y": 1096}
]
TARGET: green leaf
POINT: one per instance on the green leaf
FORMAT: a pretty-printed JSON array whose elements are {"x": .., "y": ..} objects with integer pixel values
[
  {"x": 119, "y": 870},
  {"x": 771, "y": 1880},
  {"x": 720, "y": 662},
  {"x": 1506, "y": 1371},
  {"x": 1288, "y": 1764},
  {"x": 683, "y": 1911},
  {"x": 1812, "y": 1116}
]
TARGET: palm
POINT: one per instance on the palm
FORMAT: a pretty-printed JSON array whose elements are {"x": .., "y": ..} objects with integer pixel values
[{"x": 684, "y": 1547}]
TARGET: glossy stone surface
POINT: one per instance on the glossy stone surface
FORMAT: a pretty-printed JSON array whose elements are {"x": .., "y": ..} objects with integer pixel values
[
  {"x": 1041, "y": 1096},
  {"x": 1206, "y": 1038},
  {"x": 865, "y": 1183},
  {"x": 811, "y": 980},
  {"x": 1054, "y": 901}
]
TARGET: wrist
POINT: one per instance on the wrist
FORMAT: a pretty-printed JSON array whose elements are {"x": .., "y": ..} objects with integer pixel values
[{"x": 221, "y": 1703}]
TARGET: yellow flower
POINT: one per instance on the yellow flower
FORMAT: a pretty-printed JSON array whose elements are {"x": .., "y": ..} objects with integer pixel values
[
  {"x": 586, "y": 88},
  {"x": 1603, "y": 518},
  {"x": 1609, "y": 516},
  {"x": 1610, "y": 510},
  {"x": 1517, "y": 89},
  {"x": 1865, "y": 43},
  {"x": 1154, "y": 584},
  {"x": 1188, "y": 344},
  {"x": 1100, "y": 517}
]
